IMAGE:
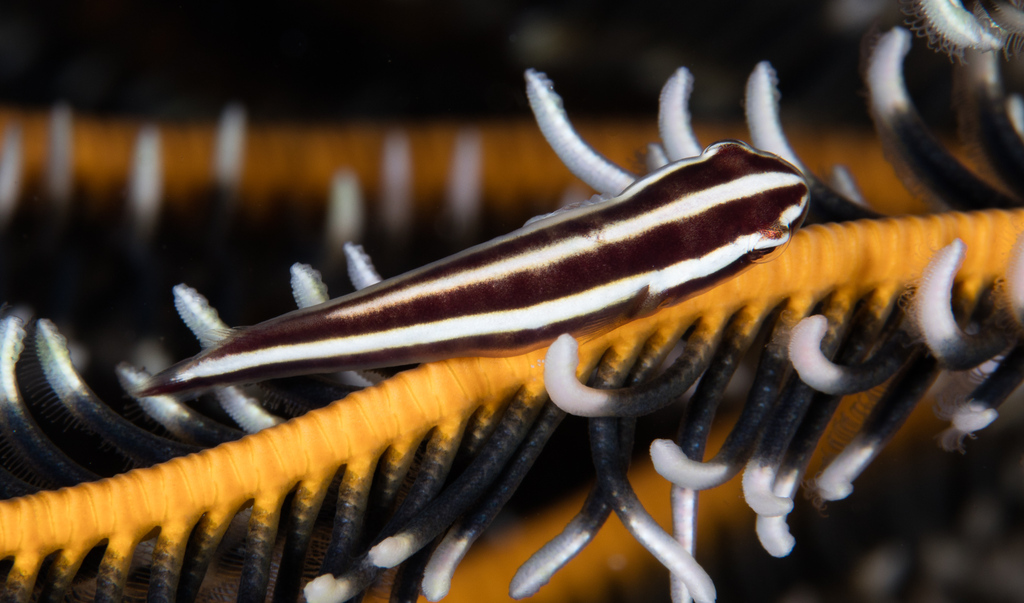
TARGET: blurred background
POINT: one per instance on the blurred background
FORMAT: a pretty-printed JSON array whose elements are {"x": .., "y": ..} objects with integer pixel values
[
  {"x": 451, "y": 59},
  {"x": 317, "y": 66}
]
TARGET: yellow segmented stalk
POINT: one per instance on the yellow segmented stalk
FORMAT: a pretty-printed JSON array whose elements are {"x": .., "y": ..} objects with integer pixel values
[{"x": 264, "y": 467}]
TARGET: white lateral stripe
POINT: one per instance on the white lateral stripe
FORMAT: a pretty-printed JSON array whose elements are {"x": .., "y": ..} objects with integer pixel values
[
  {"x": 790, "y": 214},
  {"x": 700, "y": 201},
  {"x": 532, "y": 317},
  {"x": 684, "y": 207}
]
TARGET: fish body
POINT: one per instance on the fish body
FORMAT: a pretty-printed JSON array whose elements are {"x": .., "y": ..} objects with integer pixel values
[{"x": 669, "y": 235}]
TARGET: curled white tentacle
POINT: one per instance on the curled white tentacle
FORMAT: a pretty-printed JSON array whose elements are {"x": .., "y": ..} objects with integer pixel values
[
  {"x": 565, "y": 389},
  {"x": 199, "y": 316},
  {"x": 1015, "y": 280},
  {"x": 674, "y": 126},
  {"x": 360, "y": 267},
  {"x": 836, "y": 481},
  {"x": 932, "y": 302},
  {"x": 950, "y": 27},
  {"x": 758, "y": 490},
  {"x": 671, "y": 463},
  {"x": 762, "y": 106},
  {"x": 346, "y": 213},
  {"x": 810, "y": 363},
  {"x": 12, "y": 163},
  {"x": 229, "y": 148},
  {"x": 146, "y": 182},
  {"x": 582, "y": 160},
  {"x": 463, "y": 198},
  {"x": 308, "y": 286}
]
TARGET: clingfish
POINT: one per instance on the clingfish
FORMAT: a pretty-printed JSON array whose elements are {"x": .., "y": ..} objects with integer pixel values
[{"x": 582, "y": 270}]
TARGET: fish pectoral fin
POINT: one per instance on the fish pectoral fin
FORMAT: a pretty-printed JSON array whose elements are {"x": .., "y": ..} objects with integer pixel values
[
  {"x": 645, "y": 303},
  {"x": 639, "y": 303},
  {"x": 216, "y": 336}
]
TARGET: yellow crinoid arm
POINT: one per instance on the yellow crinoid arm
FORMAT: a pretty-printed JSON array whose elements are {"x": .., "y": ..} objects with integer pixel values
[
  {"x": 287, "y": 166},
  {"x": 856, "y": 257}
]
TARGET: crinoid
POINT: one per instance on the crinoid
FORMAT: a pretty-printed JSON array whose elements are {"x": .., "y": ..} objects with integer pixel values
[
  {"x": 990, "y": 26},
  {"x": 415, "y": 466}
]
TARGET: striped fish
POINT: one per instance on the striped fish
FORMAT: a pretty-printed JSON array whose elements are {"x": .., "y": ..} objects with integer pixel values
[{"x": 669, "y": 235}]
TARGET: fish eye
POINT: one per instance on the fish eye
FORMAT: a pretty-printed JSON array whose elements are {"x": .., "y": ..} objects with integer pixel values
[{"x": 767, "y": 252}]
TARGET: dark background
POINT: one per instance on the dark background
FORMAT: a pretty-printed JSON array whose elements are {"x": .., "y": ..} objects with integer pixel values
[
  {"x": 412, "y": 58},
  {"x": 323, "y": 62}
]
